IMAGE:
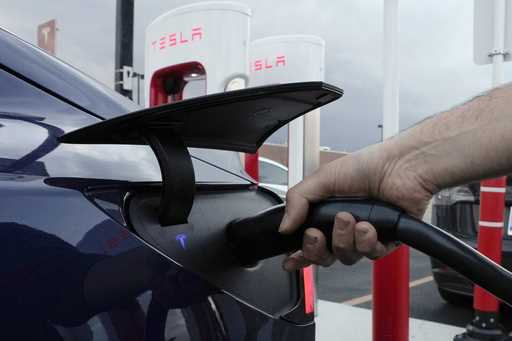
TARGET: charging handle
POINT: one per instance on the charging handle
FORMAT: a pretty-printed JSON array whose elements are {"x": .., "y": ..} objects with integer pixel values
[{"x": 257, "y": 237}]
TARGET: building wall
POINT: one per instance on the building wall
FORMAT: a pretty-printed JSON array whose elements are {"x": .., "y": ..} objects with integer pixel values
[{"x": 279, "y": 153}]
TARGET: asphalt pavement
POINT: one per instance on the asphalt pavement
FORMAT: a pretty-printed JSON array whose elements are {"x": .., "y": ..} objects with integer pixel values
[{"x": 352, "y": 285}]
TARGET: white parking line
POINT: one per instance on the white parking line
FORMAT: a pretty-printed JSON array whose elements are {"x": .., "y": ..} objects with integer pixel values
[
  {"x": 358, "y": 300},
  {"x": 368, "y": 298}
]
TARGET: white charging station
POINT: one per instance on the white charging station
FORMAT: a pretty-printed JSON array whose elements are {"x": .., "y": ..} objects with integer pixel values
[
  {"x": 286, "y": 59},
  {"x": 200, "y": 42}
]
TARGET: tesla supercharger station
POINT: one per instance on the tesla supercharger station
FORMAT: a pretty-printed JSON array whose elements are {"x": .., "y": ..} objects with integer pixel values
[
  {"x": 203, "y": 42},
  {"x": 286, "y": 59}
]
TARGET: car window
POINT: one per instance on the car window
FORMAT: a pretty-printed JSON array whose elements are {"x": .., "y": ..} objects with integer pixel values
[
  {"x": 272, "y": 174},
  {"x": 31, "y": 121}
]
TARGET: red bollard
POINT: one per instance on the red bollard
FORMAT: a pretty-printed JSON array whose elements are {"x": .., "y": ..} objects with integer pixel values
[
  {"x": 485, "y": 325},
  {"x": 252, "y": 166},
  {"x": 391, "y": 296}
]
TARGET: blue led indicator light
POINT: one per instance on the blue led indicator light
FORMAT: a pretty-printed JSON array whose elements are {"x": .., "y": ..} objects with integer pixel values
[{"x": 182, "y": 239}]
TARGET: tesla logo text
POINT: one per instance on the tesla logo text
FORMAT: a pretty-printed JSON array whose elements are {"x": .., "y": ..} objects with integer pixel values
[
  {"x": 177, "y": 38},
  {"x": 45, "y": 31},
  {"x": 182, "y": 239},
  {"x": 268, "y": 63}
]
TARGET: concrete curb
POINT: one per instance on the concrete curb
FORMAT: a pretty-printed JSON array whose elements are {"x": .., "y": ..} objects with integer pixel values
[{"x": 336, "y": 321}]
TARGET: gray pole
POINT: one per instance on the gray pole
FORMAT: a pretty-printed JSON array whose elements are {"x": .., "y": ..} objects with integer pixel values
[{"x": 124, "y": 42}]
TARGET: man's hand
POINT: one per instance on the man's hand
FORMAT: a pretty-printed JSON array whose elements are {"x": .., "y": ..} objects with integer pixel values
[
  {"x": 467, "y": 143},
  {"x": 372, "y": 173}
]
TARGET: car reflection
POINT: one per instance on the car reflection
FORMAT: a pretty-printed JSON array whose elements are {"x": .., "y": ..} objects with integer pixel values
[
  {"x": 49, "y": 157},
  {"x": 48, "y": 284},
  {"x": 45, "y": 147}
]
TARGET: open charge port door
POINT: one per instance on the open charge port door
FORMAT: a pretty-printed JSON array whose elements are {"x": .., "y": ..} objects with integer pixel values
[
  {"x": 263, "y": 285},
  {"x": 186, "y": 221}
]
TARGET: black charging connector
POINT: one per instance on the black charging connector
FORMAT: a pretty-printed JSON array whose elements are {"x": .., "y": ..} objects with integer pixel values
[{"x": 256, "y": 238}]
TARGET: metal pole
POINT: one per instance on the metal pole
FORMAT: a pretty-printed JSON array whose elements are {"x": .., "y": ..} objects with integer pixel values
[
  {"x": 499, "y": 41},
  {"x": 311, "y": 162},
  {"x": 138, "y": 88},
  {"x": 295, "y": 151},
  {"x": 123, "y": 43},
  {"x": 391, "y": 273},
  {"x": 311, "y": 142},
  {"x": 391, "y": 69},
  {"x": 485, "y": 325}
]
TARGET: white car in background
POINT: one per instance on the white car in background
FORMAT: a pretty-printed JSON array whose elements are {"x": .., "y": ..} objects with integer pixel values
[{"x": 273, "y": 176}]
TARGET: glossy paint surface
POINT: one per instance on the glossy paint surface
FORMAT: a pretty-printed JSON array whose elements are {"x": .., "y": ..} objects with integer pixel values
[{"x": 70, "y": 267}]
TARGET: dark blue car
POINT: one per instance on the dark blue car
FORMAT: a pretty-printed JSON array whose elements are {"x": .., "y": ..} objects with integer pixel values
[{"x": 83, "y": 255}]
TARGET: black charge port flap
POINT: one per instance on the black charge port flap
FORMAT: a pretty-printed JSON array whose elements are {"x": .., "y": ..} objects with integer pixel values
[{"x": 238, "y": 120}]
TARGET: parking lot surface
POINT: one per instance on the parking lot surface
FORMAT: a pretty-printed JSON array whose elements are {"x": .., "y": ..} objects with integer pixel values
[{"x": 352, "y": 285}]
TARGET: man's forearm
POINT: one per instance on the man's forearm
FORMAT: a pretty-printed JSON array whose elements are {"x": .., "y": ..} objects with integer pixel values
[{"x": 469, "y": 142}]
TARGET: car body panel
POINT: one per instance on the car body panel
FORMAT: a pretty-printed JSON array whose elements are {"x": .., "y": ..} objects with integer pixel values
[
  {"x": 71, "y": 267},
  {"x": 252, "y": 114}
]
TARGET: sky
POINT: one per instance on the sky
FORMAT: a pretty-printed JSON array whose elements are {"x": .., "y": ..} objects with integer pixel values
[{"x": 436, "y": 51}]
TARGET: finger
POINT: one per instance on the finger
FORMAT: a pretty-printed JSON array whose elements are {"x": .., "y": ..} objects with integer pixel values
[
  {"x": 366, "y": 241},
  {"x": 295, "y": 261},
  {"x": 314, "y": 248},
  {"x": 313, "y": 188},
  {"x": 343, "y": 238},
  {"x": 296, "y": 211}
]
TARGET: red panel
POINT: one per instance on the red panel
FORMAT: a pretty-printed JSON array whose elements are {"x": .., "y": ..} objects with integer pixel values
[
  {"x": 46, "y": 36},
  {"x": 158, "y": 95},
  {"x": 309, "y": 290},
  {"x": 391, "y": 296},
  {"x": 252, "y": 166},
  {"x": 489, "y": 243}
]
